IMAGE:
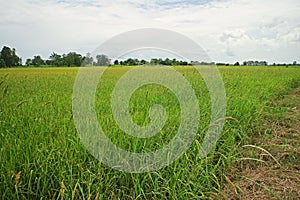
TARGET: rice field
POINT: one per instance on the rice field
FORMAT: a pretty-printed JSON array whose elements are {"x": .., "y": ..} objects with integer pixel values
[{"x": 42, "y": 157}]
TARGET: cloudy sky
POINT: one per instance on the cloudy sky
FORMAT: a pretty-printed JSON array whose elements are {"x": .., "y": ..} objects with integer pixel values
[{"x": 228, "y": 30}]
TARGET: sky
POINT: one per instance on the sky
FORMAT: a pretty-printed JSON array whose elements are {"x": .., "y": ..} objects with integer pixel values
[{"x": 228, "y": 30}]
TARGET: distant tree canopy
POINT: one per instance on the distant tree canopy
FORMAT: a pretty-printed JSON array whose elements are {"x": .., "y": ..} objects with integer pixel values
[
  {"x": 36, "y": 61},
  {"x": 102, "y": 60},
  {"x": 167, "y": 61},
  {"x": 70, "y": 59},
  {"x": 255, "y": 63},
  {"x": 237, "y": 64},
  {"x": 8, "y": 58},
  {"x": 88, "y": 60},
  {"x": 55, "y": 60},
  {"x": 153, "y": 61},
  {"x": 130, "y": 62}
]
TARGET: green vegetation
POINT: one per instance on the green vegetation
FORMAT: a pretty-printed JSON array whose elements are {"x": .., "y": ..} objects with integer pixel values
[
  {"x": 41, "y": 155},
  {"x": 8, "y": 58}
]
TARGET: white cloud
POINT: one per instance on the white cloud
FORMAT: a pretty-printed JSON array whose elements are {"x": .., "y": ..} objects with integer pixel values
[
  {"x": 293, "y": 36},
  {"x": 230, "y": 30}
]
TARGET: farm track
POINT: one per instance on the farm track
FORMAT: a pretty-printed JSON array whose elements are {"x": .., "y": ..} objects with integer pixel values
[{"x": 270, "y": 178}]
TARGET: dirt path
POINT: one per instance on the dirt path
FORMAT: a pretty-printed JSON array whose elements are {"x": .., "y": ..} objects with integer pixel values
[{"x": 273, "y": 171}]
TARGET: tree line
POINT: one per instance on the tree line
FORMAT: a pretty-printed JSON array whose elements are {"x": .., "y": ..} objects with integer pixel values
[
  {"x": 9, "y": 58},
  {"x": 70, "y": 59},
  {"x": 153, "y": 61}
]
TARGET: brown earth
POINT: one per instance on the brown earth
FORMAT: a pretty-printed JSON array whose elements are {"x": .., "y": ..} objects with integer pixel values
[{"x": 270, "y": 167}]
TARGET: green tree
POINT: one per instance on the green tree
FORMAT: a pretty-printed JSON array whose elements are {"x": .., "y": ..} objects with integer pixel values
[
  {"x": 9, "y": 57},
  {"x": 116, "y": 62},
  {"x": 102, "y": 60},
  {"x": 37, "y": 61},
  {"x": 154, "y": 61},
  {"x": 143, "y": 62},
  {"x": 72, "y": 59},
  {"x": 55, "y": 59},
  {"x": 131, "y": 62},
  {"x": 28, "y": 62},
  {"x": 88, "y": 60},
  {"x": 2, "y": 63},
  {"x": 237, "y": 64}
]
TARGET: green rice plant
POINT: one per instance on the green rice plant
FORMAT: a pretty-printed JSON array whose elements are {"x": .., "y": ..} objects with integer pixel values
[{"x": 42, "y": 157}]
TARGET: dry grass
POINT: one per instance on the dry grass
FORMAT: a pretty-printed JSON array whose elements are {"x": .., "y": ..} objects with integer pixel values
[{"x": 264, "y": 178}]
